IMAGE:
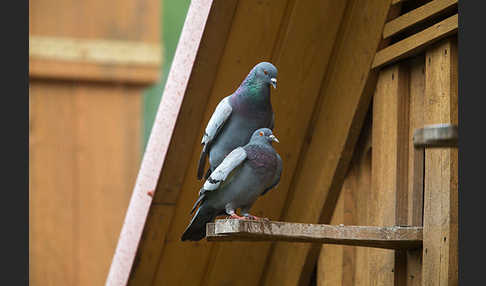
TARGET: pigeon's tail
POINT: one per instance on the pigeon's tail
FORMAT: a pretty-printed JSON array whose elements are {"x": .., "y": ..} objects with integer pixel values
[
  {"x": 197, "y": 227},
  {"x": 202, "y": 162}
]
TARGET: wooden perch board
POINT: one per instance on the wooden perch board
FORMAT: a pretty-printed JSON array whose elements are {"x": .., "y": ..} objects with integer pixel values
[{"x": 392, "y": 237}]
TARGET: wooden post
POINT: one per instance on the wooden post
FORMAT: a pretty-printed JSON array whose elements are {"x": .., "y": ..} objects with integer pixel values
[{"x": 440, "y": 199}]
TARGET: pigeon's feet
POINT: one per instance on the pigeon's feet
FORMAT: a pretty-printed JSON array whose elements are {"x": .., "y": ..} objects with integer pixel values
[
  {"x": 235, "y": 216},
  {"x": 252, "y": 217}
]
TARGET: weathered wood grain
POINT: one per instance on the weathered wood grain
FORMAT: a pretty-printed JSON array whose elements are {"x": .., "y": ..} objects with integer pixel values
[
  {"x": 388, "y": 198},
  {"x": 417, "y": 16},
  {"x": 440, "y": 249},
  {"x": 416, "y": 43},
  {"x": 393, "y": 237}
]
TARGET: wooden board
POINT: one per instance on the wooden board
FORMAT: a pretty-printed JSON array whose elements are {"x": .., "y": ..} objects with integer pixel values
[
  {"x": 158, "y": 144},
  {"x": 388, "y": 198},
  {"x": 393, "y": 237},
  {"x": 336, "y": 124},
  {"x": 440, "y": 251},
  {"x": 415, "y": 165},
  {"x": 53, "y": 208},
  {"x": 416, "y": 43},
  {"x": 88, "y": 165},
  {"x": 330, "y": 265},
  {"x": 417, "y": 16}
]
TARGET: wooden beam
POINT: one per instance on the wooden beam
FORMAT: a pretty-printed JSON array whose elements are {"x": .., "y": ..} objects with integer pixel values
[
  {"x": 393, "y": 237},
  {"x": 416, "y": 43},
  {"x": 417, "y": 16},
  {"x": 138, "y": 209},
  {"x": 388, "y": 202},
  {"x": 337, "y": 120},
  {"x": 415, "y": 165},
  {"x": 436, "y": 135},
  {"x": 440, "y": 251}
]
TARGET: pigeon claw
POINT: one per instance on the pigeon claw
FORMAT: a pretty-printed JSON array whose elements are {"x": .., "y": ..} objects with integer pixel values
[{"x": 235, "y": 216}]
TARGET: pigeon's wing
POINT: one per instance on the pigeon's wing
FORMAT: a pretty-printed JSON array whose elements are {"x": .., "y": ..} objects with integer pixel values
[
  {"x": 277, "y": 175},
  {"x": 215, "y": 124},
  {"x": 217, "y": 120},
  {"x": 221, "y": 173}
]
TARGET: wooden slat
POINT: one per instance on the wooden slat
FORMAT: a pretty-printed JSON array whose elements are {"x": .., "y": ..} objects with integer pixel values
[
  {"x": 397, "y": 1},
  {"x": 393, "y": 237},
  {"x": 440, "y": 250},
  {"x": 113, "y": 52},
  {"x": 330, "y": 265},
  {"x": 106, "y": 167},
  {"x": 436, "y": 135},
  {"x": 53, "y": 255},
  {"x": 151, "y": 244},
  {"x": 337, "y": 121},
  {"x": 388, "y": 198},
  {"x": 93, "y": 72},
  {"x": 157, "y": 146},
  {"x": 416, "y": 43},
  {"x": 415, "y": 165},
  {"x": 417, "y": 16},
  {"x": 301, "y": 53}
]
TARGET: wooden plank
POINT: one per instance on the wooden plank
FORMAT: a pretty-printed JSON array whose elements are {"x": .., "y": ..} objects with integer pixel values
[
  {"x": 440, "y": 252},
  {"x": 417, "y": 16},
  {"x": 336, "y": 123},
  {"x": 151, "y": 243},
  {"x": 53, "y": 188},
  {"x": 388, "y": 199},
  {"x": 330, "y": 265},
  {"x": 394, "y": 2},
  {"x": 415, "y": 165},
  {"x": 157, "y": 146},
  {"x": 416, "y": 43},
  {"x": 112, "y": 52},
  {"x": 92, "y": 72},
  {"x": 106, "y": 167},
  {"x": 436, "y": 135},
  {"x": 393, "y": 237},
  {"x": 301, "y": 53}
]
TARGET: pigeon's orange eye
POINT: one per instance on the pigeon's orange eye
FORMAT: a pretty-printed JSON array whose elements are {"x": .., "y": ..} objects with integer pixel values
[
  {"x": 265, "y": 72},
  {"x": 261, "y": 133}
]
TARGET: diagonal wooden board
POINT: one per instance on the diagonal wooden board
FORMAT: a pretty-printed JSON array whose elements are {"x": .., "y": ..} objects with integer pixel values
[
  {"x": 346, "y": 96},
  {"x": 199, "y": 14}
]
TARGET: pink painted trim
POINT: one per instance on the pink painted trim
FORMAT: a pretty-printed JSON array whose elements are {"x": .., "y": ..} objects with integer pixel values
[{"x": 158, "y": 143}]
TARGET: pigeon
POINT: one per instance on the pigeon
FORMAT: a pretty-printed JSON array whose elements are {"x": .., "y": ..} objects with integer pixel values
[
  {"x": 237, "y": 116},
  {"x": 247, "y": 172}
]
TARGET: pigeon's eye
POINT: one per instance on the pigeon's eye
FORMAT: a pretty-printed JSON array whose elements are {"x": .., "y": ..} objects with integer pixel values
[
  {"x": 261, "y": 133},
  {"x": 265, "y": 72}
]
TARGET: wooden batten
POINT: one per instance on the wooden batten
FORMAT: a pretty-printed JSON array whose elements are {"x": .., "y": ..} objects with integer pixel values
[{"x": 416, "y": 43}]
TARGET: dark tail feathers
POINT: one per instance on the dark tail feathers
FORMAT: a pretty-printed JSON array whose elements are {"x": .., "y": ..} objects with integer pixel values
[
  {"x": 202, "y": 162},
  {"x": 197, "y": 227}
]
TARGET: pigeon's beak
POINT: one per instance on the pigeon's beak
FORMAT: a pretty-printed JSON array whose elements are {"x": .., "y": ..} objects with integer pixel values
[
  {"x": 274, "y": 82},
  {"x": 274, "y": 138}
]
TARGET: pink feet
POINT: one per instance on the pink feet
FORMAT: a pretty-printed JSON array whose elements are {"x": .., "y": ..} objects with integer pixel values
[
  {"x": 252, "y": 217},
  {"x": 235, "y": 216}
]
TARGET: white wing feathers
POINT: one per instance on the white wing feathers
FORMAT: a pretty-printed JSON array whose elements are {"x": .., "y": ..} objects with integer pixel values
[
  {"x": 217, "y": 120},
  {"x": 229, "y": 163}
]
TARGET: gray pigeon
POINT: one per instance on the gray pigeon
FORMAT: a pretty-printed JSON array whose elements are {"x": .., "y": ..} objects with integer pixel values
[
  {"x": 245, "y": 174},
  {"x": 237, "y": 116}
]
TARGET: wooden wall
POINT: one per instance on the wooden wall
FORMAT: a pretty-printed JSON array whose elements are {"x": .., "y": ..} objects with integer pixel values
[
  {"x": 89, "y": 63},
  {"x": 392, "y": 183}
]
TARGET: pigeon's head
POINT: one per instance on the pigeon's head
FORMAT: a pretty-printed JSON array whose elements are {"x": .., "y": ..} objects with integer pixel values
[
  {"x": 264, "y": 134},
  {"x": 267, "y": 73}
]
